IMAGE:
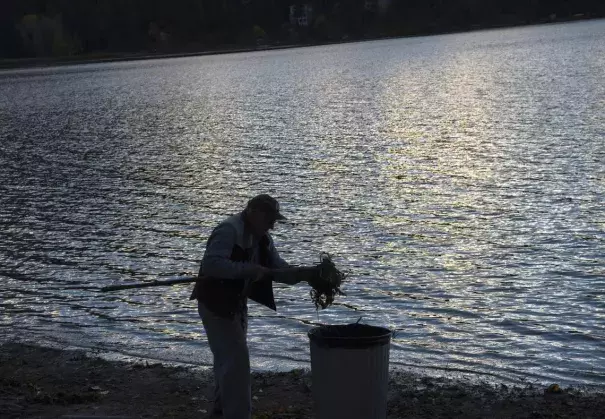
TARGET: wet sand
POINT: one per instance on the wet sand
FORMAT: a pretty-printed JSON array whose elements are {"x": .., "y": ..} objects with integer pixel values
[{"x": 38, "y": 382}]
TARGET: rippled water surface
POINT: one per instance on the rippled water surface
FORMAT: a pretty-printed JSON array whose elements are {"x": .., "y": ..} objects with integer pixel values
[{"x": 460, "y": 179}]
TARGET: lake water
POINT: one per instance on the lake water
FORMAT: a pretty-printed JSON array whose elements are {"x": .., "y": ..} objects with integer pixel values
[{"x": 459, "y": 179}]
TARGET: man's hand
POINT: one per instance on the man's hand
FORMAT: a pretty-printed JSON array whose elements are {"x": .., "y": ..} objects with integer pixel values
[
  {"x": 295, "y": 274},
  {"x": 290, "y": 280}
]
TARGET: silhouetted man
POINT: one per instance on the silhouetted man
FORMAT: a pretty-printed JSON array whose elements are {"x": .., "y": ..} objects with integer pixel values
[{"x": 237, "y": 265}]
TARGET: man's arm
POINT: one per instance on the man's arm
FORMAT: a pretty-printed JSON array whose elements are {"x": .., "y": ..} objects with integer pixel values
[
  {"x": 217, "y": 261},
  {"x": 276, "y": 260},
  {"x": 278, "y": 263}
]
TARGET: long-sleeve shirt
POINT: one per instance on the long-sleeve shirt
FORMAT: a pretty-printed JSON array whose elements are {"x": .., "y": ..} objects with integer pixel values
[{"x": 217, "y": 261}]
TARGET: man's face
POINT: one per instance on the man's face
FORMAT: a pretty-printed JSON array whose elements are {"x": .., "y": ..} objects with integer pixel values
[{"x": 261, "y": 222}]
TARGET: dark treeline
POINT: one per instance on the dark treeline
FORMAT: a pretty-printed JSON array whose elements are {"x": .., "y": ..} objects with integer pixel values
[{"x": 53, "y": 28}]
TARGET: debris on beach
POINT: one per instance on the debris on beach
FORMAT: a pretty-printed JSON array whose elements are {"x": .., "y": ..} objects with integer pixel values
[{"x": 553, "y": 389}]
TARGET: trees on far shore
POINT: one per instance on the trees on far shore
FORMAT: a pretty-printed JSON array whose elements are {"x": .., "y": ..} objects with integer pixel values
[{"x": 54, "y": 28}]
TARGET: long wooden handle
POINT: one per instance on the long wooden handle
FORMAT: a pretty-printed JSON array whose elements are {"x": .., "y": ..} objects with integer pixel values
[
  {"x": 294, "y": 270},
  {"x": 185, "y": 280},
  {"x": 301, "y": 273}
]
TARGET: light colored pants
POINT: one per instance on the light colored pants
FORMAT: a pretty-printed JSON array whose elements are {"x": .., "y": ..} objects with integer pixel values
[{"x": 227, "y": 340}]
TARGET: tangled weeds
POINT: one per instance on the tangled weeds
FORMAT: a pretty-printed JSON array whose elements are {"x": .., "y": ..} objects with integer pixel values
[{"x": 326, "y": 284}]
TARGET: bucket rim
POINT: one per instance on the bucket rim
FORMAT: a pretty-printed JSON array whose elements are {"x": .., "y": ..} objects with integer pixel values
[{"x": 312, "y": 333}]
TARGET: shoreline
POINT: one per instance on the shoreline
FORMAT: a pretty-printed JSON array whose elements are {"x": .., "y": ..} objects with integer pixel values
[
  {"x": 49, "y": 383},
  {"x": 99, "y": 58}
]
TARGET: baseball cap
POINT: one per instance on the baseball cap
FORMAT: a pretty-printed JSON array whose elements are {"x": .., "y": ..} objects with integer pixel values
[{"x": 267, "y": 204}]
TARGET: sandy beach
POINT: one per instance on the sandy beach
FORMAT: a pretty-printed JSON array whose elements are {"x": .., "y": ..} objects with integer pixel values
[{"x": 38, "y": 382}]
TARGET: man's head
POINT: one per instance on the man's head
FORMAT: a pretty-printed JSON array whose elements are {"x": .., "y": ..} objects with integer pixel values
[{"x": 262, "y": 212}]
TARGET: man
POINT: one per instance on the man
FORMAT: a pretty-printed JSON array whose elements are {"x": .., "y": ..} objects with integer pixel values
[{"x": 237, "y": 265}]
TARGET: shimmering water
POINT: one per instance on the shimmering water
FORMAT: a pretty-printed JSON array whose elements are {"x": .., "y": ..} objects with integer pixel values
[{"x": 460, "y": 179}]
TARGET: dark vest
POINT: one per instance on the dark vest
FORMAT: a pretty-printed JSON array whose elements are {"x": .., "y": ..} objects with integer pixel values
[{"x": 225, "y": 297}]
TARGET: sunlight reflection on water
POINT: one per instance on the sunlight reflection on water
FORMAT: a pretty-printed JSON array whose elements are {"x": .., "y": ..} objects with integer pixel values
[{"x": 459, "y": 179}]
